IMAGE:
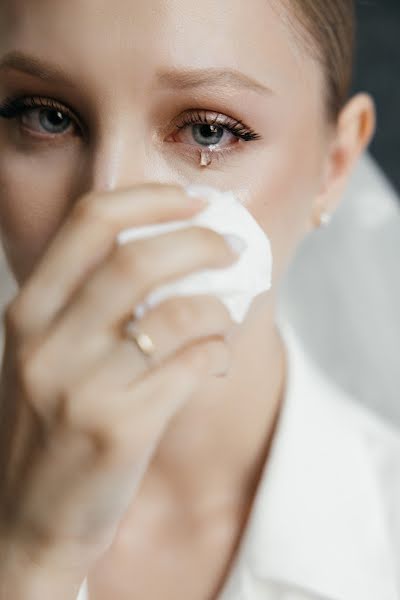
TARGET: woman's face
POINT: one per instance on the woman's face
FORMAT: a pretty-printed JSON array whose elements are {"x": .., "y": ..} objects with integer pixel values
[{"x": 132, "y": 77}]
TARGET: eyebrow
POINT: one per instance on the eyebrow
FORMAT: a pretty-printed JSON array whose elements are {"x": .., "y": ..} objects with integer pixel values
[
  {"x": 178, "y": 79},
  {"x": 36, "y": 67},
  {"x": 182, "y": 79}
]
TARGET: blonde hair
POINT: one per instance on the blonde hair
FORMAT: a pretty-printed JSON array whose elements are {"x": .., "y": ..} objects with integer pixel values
[{"x": 328, "y": 29}]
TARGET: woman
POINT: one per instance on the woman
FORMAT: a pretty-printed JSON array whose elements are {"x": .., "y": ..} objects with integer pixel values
[{"x": 147, "y": 478}]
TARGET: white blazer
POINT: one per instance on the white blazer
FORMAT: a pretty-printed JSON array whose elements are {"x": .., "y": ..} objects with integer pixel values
[{"x": 325, "y": 523}]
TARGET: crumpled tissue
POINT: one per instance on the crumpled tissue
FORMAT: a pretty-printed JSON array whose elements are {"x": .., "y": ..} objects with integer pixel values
[{"x": 236, "y": 285}]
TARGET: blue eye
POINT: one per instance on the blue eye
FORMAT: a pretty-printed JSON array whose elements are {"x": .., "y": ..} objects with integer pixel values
[
  {"x": 39, "y": 115},
  {"x": 203, "y": 122},
  {"x": 218, "y": 133},
  {"x": 207, "y": 134},
  {"x": 53, "y": 121},
  {"x": 197, "y": 129}
]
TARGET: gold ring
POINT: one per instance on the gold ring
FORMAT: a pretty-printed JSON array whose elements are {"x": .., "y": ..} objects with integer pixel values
[{"x": 142, "y": 340}]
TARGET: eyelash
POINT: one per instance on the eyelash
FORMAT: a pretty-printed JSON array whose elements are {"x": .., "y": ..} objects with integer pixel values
[
  {"x": 12, "y": 108},
  {"x": 236, "y": 127},
  {"x": 241, "y": 132}
]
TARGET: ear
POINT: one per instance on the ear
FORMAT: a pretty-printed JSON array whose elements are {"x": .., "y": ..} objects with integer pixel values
[{"x": 352, "y": 135}]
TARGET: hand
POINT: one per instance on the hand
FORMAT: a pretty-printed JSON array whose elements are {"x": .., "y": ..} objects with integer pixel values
[{"x": 81, "y": 412}]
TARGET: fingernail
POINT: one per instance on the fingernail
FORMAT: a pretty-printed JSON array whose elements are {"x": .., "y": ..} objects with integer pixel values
[
  {"x": 237, "y": 243},
  {"x": 197, "y": 190},
  {"x": 200, "y": 194}
]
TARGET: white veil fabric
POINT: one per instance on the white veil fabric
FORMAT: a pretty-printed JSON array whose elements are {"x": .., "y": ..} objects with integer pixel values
[{"x": 342, "y": 293}]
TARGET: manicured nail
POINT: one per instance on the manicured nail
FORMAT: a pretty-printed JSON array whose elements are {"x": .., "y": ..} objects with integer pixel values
[
  {"x": 197, "y": 190},
  {"x": 201, "y": 194},
  {"x": 237, "y": 243}
]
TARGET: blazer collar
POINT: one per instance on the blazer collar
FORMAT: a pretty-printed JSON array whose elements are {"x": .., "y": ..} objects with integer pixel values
[{"x": 317, "y": 521}]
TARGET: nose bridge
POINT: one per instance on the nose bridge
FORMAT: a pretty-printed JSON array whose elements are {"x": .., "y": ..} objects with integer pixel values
[
  {"x": 122, "y": 152},
  {"x": 119, "y": 156}
]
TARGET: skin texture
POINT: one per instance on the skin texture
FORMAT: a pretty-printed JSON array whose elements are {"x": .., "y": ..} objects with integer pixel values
[{"x": 195, "y": 496}]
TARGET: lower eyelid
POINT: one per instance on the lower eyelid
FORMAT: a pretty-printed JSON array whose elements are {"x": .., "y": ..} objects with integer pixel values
[
  {"x": 217, "y": 156},
  {"x": 73, "y": 127},
  {"x": 235, "y": 141},
  {"x": 49, "y": 137},
  {"x": 219, "y": 153}
]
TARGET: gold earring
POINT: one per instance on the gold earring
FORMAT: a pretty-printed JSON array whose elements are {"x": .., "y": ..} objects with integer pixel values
[{"x": 205, "y": 158}]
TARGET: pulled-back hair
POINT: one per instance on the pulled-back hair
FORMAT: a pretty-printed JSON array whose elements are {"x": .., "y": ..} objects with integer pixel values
[{"x": 328, "y": 29}]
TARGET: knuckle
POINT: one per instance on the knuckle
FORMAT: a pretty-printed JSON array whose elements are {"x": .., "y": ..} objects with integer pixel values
[
  {"x": 12, "y": 314},
  {"x": 219, "y": 358},
  {"x": 194, "y": 361},
  {"x": 204, "y": 235},
  {"x": 211, "y": 355},
  {"x": 31, "y": 373},
  {"x": 104, "y": 443},
  {"x": 96, "y": 211},
  {"x": 131, "y": 261},
  {"x": 89, "y": 207},
  {"x": 82, "y": 207},
  {"x": 219, "y": 310},
  {"x": 209, "y": 311},
  {"x": 65, "y": 413},
  {"x": 89, "y": 294},
  {"x": 73, "y": 414},
  {"x": 213, "y": 241},
  {"x": 69, "y": 412},
  {"x": 169, "y": 192},
  {"x": 100, "y": 437},
  {"x": 103, "y": 439},
  {"x": 180, "y": 314}
]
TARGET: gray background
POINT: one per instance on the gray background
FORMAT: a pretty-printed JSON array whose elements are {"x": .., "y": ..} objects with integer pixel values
[{"x": 378, "y": 72}]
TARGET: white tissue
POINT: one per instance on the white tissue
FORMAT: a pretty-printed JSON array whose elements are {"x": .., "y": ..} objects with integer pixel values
[{"x": 235, "y": 285}]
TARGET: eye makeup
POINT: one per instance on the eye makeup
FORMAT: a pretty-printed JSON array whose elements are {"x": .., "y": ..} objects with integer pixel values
[
  {"x": 16, "y": 107},
  {"x": 205, "y": 135},
  {"x": 212, "y": 136}
]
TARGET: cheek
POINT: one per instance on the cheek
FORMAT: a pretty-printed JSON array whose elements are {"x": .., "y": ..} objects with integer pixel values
[
  {"x": 34, "y": 198},
  {"x": 283, "y": 193}
]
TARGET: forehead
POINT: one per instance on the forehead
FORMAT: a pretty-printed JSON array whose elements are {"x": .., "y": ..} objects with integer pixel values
[{"x": 141, "y": 36}]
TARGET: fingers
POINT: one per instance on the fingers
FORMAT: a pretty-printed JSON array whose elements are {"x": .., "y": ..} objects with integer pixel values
[
  {"x": 107, "y": 361},
  {"x": 171, "y": 325},
  {"x": 86, "y": 395},
  {"x": 108, "y": 298},
  {"x": 84, "y": 240},
  {"x": 159, "y": 395},
  {"x": 125, "y": 419},
  {"x": 82, "y": 334},
  {"x": 116, "y": 439}
]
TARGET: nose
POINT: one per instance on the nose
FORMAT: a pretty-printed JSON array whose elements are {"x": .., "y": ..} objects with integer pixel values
[
  {"x": 118, "y": 160},
  {"x": 125, "y": 157}
]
